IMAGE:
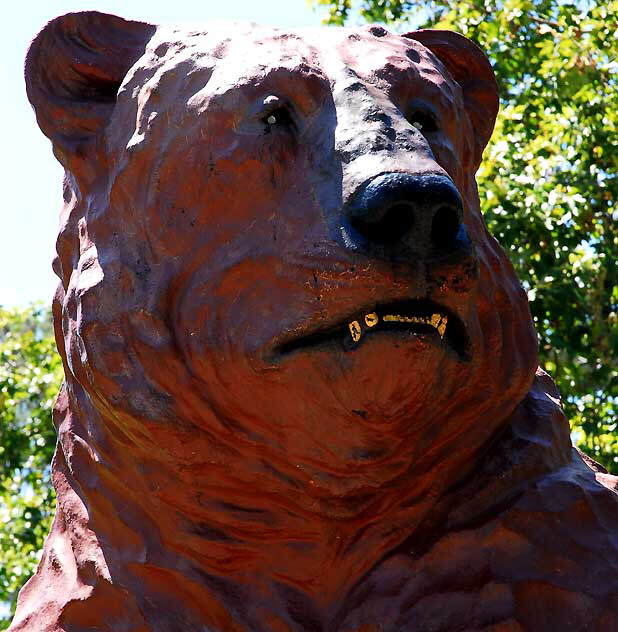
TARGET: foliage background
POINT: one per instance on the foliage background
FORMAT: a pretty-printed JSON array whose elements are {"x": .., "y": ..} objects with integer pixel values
[
  {"x": 548, "y": 187},
  {"x": 30, "y": 376}
]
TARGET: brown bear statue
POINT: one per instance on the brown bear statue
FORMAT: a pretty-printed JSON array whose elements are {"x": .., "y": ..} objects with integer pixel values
[{"x": 301, "y": 386}]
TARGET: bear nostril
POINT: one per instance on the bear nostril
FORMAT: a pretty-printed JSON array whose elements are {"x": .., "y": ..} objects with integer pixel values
[
  {"x": 397, "y": 216},
  {"x": 394, "y": 223},
  {"x": 444, "y": 228}
]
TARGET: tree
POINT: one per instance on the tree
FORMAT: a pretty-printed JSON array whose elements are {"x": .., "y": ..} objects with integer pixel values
[
  {"x": 30, "y": 377},
  {"x": 548, "y": 182}
]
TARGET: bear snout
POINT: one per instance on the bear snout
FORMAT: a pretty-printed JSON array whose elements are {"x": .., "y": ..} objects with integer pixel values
[{"x": 397, "y": 216}]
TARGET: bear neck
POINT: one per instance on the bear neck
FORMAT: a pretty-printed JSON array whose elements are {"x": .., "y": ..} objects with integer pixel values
[{"x": 134, "y": 527}]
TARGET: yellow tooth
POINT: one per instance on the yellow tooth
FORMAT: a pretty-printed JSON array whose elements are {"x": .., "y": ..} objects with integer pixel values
[
  {"x": 371, "y": 320},
  {"x": 438, "y": 321},
  {"x": 355, "y": 330},
  {"x": 442, "y": 326},
  {"x": 396, "y": 318}
]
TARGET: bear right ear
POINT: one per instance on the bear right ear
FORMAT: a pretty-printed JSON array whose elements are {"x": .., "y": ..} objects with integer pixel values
[{"x": 74, "y": 68}]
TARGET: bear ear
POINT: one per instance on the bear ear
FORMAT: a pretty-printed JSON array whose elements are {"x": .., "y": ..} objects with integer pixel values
[
  {"x": 471, "y": 69},
  {"x": 73, "y": 70}
]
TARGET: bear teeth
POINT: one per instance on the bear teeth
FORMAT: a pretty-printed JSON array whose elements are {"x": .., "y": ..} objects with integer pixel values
[
  {"x": 355, "y": 331},
  {"x": 437, "y": 321}
]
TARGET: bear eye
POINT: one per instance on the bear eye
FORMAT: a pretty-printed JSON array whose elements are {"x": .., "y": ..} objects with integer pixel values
[
  {"x": 280, "y": 116},
  {"x": 423, "y": 121}
]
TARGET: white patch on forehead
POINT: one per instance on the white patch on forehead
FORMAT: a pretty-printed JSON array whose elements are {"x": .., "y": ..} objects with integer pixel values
[
  {"x": 157, "y": 83},
  {"x": 268, "y": 60},
  {"x": 246, "y": 60}
]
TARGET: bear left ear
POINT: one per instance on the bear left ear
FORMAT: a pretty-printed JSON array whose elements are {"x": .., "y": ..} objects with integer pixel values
[
  {"x": 74, "y": 68},
  {"x": 471, "y": 69}
]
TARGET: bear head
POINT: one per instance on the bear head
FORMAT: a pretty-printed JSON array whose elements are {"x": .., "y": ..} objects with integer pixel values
[{"x": 274, "y": 269}]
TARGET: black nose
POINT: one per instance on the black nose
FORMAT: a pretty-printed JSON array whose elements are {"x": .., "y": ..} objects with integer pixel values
[{"x": 397, "y": 215}]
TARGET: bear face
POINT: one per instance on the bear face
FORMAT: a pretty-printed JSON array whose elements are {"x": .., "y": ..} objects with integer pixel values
[{"x": 209, "y": 257}]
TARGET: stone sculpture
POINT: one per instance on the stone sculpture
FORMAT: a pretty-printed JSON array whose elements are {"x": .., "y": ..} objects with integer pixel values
[{"x": 301, "y": 388}]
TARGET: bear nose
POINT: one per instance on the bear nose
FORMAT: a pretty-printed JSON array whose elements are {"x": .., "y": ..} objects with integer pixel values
[{"x": 401, "y": 213}]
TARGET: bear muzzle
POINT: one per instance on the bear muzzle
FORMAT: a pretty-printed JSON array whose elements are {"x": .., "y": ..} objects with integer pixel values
[{"x": 404, "y": 216}]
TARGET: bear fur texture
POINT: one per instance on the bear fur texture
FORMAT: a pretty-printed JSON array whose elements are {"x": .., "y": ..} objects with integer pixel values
[{"x": 301, "y": 378}]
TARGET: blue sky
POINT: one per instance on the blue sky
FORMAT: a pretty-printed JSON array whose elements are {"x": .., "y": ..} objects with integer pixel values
[{"x": 30, "y": 177}]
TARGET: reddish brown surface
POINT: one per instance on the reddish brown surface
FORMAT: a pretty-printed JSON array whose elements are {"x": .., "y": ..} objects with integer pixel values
[{"x": 217, "y": 472}]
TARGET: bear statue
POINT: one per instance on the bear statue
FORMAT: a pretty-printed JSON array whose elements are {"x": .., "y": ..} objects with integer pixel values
[{"x": 301, "y": 383}]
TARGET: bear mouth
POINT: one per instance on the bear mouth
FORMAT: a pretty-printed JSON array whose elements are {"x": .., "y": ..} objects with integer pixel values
[{"x": 419, "y": 318}]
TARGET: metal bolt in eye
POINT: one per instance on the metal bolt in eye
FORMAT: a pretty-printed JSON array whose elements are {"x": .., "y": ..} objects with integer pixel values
[
  {"x": 281, "y": 117},
  {"x": 423, "y": 121}
]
